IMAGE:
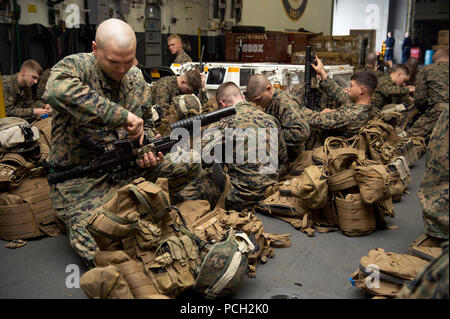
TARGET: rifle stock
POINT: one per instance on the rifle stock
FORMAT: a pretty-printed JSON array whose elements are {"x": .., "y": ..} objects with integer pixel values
[{"x": 119, "y": 157}]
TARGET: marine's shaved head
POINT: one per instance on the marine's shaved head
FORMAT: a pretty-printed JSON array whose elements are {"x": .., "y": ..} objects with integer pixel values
[
  {"x": 116, "y": 32},
  {"x": 371, "y": 59},
  {"x": 256, "y": 85}
]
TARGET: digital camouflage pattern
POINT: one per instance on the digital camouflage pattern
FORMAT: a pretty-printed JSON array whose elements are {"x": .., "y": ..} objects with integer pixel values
[
  {"x": 387, "y": 92},
  {"x": 17, "y": 102},
  {"x": 432, "y": 283},
  {"x": 430, "y": 96},
  {"x": 165, "y": 89},
  {"x": 323, "y": 100},
  {"x": 86, "y": 103},
  {"x": 182, "y": 57},
  {"x": 39, "y": 102},
  {"x": 248, "y": 184},
  {"x": 294, "y": 125},
  {"x": 345, "y": 121},
  {"x": 434, "y": 188}
]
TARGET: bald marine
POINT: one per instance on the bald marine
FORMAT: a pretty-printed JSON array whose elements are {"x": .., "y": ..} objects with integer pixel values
[{"x": 115, "y": 48}]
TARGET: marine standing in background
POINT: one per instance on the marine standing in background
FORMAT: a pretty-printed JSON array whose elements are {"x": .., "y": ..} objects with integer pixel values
[
  {"x": 16, "y": 103},
  {"x": 392, "y": 89},
  {"x": 406, "y": 48},
  {"x": 176, "y": 47},
  {"x": 101, "y": 96},
  {"x": 249, "y": 180},
  {"x": 294, "y": 125},
  {"x": 431, "y": 95},
  {"x": 389, "y": 52}
]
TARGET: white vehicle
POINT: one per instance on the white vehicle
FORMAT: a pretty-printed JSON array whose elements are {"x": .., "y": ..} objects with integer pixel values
[{"x": 284, "y": 76}]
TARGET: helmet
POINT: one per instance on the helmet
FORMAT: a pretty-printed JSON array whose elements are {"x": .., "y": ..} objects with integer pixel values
[
  {"x": 224, "y": 265},
  {"x": 187, "y": 103}
]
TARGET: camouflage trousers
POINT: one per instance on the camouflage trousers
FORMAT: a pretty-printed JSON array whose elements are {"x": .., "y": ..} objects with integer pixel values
[
  {"x": 75, "y": 200},
  {"x": 432, "y": 283},
  {"x": 426, "y": 122},
  {"x": 204, "y": 188}
]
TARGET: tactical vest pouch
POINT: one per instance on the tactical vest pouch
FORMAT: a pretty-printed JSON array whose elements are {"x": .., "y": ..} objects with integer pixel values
[
  {"x": 304, "y": 160},
  {"x": 136, "y": 209},
  {"x": 14, "y": 168},
  {"x": 399, "y": 177},
  {"x": 393, "y": 271},
  {"x": 105, "y": 283},
  {"x": 373, "y": 182},
  {"x": 313, "y": 187},
  {"x": 355, "y": 218},
  {"x": 396, "y": 186},
  {"x": 407, "y": 150},
  {"x": 27, "y": 211}
]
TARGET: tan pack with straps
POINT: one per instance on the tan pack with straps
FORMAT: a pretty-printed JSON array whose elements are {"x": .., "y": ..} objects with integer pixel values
[
  {"x": 373, "y": 182},
  {"x": 312, "y": 188},
  {"x": 355, "y": 218},
  {"x": 383, "y": 273},
  {"x": 407, "y": 149},
  {"x": 14, "y": 169},
  {"x": 27, "y": 211}
]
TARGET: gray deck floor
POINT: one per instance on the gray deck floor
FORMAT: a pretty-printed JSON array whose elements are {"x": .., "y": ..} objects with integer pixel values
[{"x": 312, "y": 268}]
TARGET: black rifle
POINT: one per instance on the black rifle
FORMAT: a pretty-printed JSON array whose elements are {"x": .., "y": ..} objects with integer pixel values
[
  {"x": 310, "y": 73},
  {"x": 119, "y": 157}
]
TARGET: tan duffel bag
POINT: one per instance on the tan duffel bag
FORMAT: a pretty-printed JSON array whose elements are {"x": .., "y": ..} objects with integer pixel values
[
  {"x": 355, "y": 218},
  {"x": 383, "y": 273},
  {"x": 373, "y": 182}
]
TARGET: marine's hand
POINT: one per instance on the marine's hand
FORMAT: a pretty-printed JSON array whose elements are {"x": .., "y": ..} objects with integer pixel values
[
  {"x": 320, "y": 69},
  {"x": 149, "y": 159},
  {"x": 40, "y": 112},
  {"x": 135, "y": 127}
]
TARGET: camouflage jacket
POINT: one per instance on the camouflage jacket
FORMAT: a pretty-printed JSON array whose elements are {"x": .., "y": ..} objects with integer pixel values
[
  {"x": 17, "y": 102},
  {"x": 182, "y": 57},
  {"x": 86, "y": 103},
  {"x": 294, "y": 125},
  {"x": 39, "y": 102},
  {"x": 247, "y": 168},
  {"x": 344, "y": 121},
  {"x": 322, "y": 100},
  {"x": 387, "y": 92},
  {"x": 434, "y": 189},
  {"x": 165, "y": 89},
  {"x": 432, "y": 85}
]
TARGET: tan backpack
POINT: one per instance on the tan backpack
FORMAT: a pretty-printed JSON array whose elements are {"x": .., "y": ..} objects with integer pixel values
[
  {"x": 312, "y": 188},
  {"x": 393, "y": 271},
  {"x": 373, "y": 182}
]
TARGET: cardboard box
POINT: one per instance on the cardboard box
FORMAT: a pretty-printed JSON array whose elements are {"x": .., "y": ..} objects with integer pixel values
[
  {"x": 344, "y": 44},
  {"x": 437, "y": 47},
  {"x": 443, "y": 37},
  {"x": 339, "y": 58}
]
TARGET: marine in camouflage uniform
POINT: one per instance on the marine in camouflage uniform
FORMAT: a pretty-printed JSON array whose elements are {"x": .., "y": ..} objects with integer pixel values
[
  {"x": 248, "y": 182},
  {"x": 434, "y": 188},
  {"x": 323, "y": 101},
  {"x": 378, "y": 72},
  {"x": 344, "y": 121},
  {"x": 294, "y": 125},
  {"x": 387, "y": 92},
  {"x": 182, "y": 57},
  {"x": 165, "y": 89},
  {"x": 433, "y": 282},
  {"x": 86, "y": 103},
  {"x": 40, "y": 90},
  {"x": 431, "y": 97},
  {"x": 18, "y": 101}
]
